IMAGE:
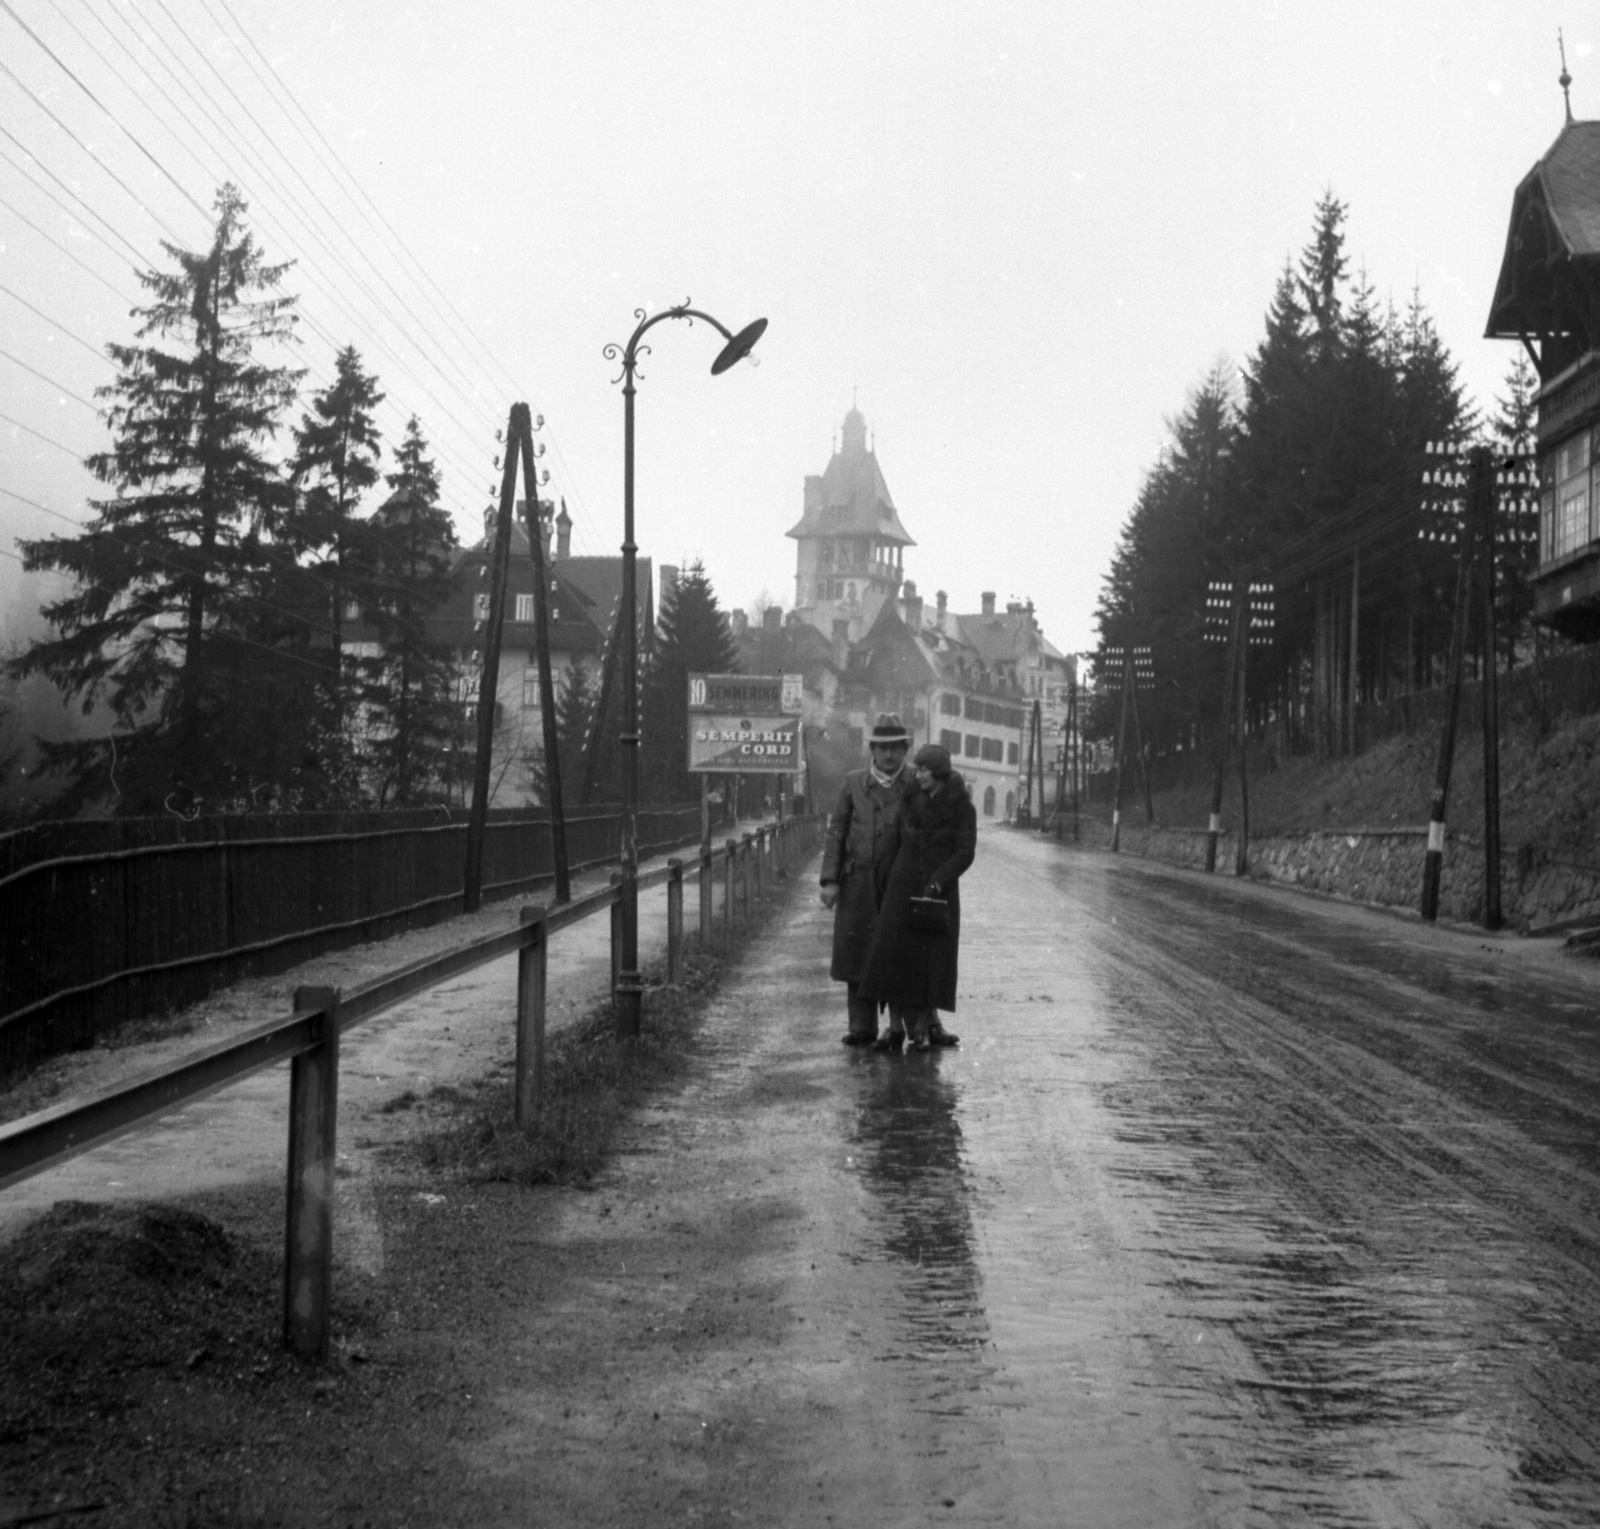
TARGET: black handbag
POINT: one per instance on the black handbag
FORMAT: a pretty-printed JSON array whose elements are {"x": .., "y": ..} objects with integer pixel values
[{"x": 930, "y": 915}]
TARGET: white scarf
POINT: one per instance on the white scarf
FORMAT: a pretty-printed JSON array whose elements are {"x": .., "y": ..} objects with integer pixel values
[{"x": 880, "y": 779}]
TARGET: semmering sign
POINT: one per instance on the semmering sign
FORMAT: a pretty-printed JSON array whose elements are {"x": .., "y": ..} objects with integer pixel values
[{"x": 745, "y": 723}]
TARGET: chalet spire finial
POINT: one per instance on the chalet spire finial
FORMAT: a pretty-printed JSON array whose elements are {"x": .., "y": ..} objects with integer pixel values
[{"x": 1566, "y": 79}]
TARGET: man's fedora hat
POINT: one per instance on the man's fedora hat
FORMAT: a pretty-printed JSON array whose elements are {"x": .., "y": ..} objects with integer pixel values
[{"x": 889, "y": 729}]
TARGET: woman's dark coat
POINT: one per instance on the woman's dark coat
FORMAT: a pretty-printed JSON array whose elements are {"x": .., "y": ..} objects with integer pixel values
[{"x": 938, "y": 836}]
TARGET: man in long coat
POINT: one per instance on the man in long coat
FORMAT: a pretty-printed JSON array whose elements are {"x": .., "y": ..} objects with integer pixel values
[{"x": 857, "y": 854}]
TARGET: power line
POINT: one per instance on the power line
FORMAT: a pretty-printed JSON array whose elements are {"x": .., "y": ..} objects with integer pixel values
[
  {"x": 138, "y": 201},
  {"x": 460, "y": 321},
  {"x": 48, "y": 440},
  {"x": 45, "y": 377},
  {"x": 211, "y": 632},
  {"x": 18, "y": 213},
  {"x": 132, "y": 248},
  {"x": 60, "y": 63},
  {"x": 99, "y": 355}
]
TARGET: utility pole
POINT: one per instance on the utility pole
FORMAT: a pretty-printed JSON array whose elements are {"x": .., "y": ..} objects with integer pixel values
[
  {"x": 1484, "y": 496},
  {"x": 523, "y": 427},
  {"x": 1216, "y": 602},
  {"x": 489, "y": 678},
  {"x": 1465, "y": 539},
  {"x": 1122, "y": 740}
]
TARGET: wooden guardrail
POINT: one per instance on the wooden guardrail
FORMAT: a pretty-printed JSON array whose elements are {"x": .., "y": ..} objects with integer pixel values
[{"x": 309, "y": 1038}]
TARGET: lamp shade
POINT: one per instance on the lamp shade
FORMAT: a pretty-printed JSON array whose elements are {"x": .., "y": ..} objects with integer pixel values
[{"x": 738, "y": 347}]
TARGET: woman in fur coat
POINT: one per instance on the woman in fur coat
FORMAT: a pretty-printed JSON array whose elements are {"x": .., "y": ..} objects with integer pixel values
[{"x": 910, "y": 970}]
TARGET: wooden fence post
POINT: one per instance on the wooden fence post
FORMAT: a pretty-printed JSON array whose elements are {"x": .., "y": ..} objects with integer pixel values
[
  {"x": 706, "y": 896},
  {"x": 308, "y": 1219},
  {"x": 727, "y": 888},
  {"x": 616, "y": 937},
  {"x": 532, "y": 967},
  {"x": 675, "y": 922},
  {"x": 746, "y": 895}
]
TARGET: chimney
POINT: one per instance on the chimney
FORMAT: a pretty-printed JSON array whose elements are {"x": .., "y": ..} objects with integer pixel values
[
  {"x": 988, "y": 602},
  {"x": 772, "y": 618},
  {"x": 563, "y": 532},
  {"x": 913, "y": 603},
  {"x": 1013, "y": 607},
  {"x": 738, "y": 623},
  {"x": 942, "y": 600},
  {"x": 841, "y": 643}
]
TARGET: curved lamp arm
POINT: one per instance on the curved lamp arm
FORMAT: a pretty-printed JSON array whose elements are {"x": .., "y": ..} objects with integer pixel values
[{"x": 736, "y": 348}]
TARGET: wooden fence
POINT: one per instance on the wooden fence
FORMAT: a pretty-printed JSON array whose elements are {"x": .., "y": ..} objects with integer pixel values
[
  {"x": 309, "y": 1039},
  {"x": 105, "y": 922}
]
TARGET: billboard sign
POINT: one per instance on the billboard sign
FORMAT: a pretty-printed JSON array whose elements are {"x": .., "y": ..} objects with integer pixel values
[
  {"x": 751, "y": 695},
  {"x": 725, "y": 742}
]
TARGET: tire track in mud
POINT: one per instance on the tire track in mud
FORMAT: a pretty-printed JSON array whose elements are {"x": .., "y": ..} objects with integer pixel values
[{"x": 1374, "y": 1170}]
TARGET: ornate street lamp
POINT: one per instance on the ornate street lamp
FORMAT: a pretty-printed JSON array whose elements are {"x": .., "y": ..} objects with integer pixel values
[{"x": 738, "y": 346}]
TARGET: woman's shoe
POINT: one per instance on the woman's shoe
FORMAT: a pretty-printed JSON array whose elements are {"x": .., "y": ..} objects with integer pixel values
[
  {"x": 889, "y": 1041},
  {"x": 921, "y": 1043}
]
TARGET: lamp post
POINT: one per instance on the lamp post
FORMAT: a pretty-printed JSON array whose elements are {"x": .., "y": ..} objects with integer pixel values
[{"x": 734, "y": 350}]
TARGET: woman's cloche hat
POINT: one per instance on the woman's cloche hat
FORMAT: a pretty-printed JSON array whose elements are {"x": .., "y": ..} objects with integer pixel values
[{"x": 889, "y": 729}]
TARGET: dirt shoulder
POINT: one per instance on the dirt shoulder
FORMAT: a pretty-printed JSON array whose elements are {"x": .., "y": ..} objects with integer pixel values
[{"x": 503, "y": 1353}]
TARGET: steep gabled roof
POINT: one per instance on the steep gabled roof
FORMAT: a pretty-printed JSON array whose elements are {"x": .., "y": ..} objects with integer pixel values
[{"x": 1555, "y": 219}]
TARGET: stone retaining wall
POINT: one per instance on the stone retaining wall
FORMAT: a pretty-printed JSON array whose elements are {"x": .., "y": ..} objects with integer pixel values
[{"x": 1383, "y": 866}]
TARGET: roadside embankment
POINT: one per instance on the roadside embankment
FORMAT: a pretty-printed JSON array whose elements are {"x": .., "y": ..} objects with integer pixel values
[{"x": 1356, "y": 827}]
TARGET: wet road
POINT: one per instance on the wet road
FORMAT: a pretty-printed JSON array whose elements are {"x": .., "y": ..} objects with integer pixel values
[{"x": 1234, "y": 1208}]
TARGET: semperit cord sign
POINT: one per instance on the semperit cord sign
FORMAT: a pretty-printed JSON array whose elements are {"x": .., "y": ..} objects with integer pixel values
[{"x": 744, "y": 723}]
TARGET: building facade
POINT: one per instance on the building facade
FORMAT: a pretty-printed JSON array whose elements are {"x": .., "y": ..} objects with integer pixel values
[
  {"x": 967, "y": 681},
  {"x": 1548, "y": 299}
]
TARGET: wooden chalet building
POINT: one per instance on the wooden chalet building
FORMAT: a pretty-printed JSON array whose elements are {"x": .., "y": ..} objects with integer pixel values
[{"x": 1548, "y": 297}]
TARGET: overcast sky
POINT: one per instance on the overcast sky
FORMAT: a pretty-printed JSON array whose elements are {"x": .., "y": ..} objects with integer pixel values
[{"x": 1015, "y": 233}]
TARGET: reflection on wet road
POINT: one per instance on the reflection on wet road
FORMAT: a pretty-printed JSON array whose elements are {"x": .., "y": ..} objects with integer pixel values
[{"x": 1235, "y": 1208}]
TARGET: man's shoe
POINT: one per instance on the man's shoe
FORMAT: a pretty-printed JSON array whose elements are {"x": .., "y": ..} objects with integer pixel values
[
  {"x": 859, "y": 1038},
  {"x": 944, "y": 1038},
  {"x": 889, "y": 1041},
  {"x": 922, "y": 1043}
]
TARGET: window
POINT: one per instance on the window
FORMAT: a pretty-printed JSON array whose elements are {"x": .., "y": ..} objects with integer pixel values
[
  {"x": 1565, "y": 498},
  {"x": 988, "y": 801},
  {"x": 524, "y": 608},
  {"x": 352, "y": 610},
  {"x": 992, "y": 750},
  {"x": 973, "y": 743},
  {"x": 950, "y": 704},
  {"x": 1011, "y": 753},
  {"x": 530, "y": 681},
  {"x": 974, "y": 708},
  {"x": 951, "y": 741}
]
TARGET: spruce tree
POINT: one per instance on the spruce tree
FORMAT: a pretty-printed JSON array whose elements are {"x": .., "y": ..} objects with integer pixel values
[
  {"x": 170, "y": 621},
  {"x": 576, "y": 697},
  {"x": 334, "y": 464},
  {"x": 412, "y": 729},
  {"x": 1513, "y": 430},
  {"x": 692, "y": 637}
]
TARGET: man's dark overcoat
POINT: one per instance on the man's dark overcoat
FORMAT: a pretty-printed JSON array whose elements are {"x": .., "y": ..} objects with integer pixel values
[
  {"x": 858, "y": 853},
  {"x": 938, "y": 837}
]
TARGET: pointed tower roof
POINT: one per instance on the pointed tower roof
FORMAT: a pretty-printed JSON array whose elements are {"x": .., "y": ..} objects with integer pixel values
[{"x": 851, "y": 497}]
